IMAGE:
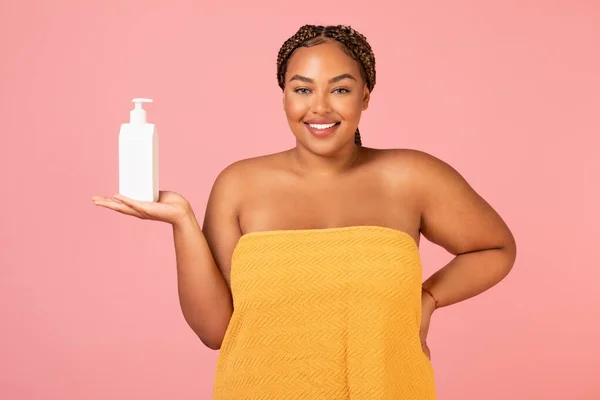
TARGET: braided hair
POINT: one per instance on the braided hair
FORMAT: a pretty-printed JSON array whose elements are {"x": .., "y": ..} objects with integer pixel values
[{"x": 353, "y": 44}]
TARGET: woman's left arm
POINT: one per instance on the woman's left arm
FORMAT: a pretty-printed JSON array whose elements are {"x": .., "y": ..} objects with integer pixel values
[{"x": 458, "y": 219}]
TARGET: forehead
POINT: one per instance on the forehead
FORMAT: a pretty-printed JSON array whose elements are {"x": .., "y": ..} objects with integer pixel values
[{"x": 325, "y": 61}]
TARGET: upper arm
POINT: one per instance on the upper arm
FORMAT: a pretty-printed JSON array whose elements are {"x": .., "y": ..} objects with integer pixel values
[
  {"x": 221, "y": 228},
  {"x": 453, "y": 215}
]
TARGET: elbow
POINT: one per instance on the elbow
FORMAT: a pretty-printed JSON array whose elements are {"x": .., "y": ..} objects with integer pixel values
[
  {"x": 510, "y": 249},
  {"x": 210, "y": 330},
  {"x": 212, "y": 344},
  {"x": 212, "y": 340},
  {"x": 509, "y": 252},
  {"x": 211, "y": 335}
]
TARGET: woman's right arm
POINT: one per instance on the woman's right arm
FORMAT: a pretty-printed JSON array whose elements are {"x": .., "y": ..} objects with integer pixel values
[
  {"x": 203, "y": 258},
  {"x": 204, "y": 261}
]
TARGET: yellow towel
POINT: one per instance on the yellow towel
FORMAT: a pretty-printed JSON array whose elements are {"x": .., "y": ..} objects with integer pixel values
[{"x": 325, "y": 314}]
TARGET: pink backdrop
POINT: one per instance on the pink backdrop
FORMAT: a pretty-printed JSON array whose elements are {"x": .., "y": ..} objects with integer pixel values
[{"x": 507, "y": 93}]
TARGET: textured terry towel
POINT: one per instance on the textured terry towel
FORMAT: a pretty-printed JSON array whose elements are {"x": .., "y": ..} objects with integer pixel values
[{"x": 325, "y": 314}]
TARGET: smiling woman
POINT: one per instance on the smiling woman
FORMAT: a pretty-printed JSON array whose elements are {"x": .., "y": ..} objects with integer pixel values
[
  {"x": 306, "y": 273},
  {"x": 356, "y": 83},
  {"x": 322, "y": 127}
]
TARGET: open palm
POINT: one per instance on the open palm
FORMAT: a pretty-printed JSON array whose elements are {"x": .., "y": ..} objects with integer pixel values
[{"x": 171, "y": 207}]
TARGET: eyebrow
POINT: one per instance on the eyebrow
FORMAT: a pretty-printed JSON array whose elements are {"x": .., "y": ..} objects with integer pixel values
[{"x": 332, "y": 80}]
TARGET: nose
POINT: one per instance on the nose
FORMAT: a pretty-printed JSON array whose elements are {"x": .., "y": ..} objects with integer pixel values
[{"x": 321, "y": 104}]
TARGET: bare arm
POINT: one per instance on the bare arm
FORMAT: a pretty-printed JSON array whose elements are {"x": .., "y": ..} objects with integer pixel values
[
  {"x": 203, "y": 259},
  {"x": 455, "y": 217},
  {"x": 203, "y": 294},
  {"x": 203, "y": 262}
]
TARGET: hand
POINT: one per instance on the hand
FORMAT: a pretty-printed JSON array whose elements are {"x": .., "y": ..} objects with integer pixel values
[
  {"x": 427, "y": 307},
  {"x": 171, "y": 207}
]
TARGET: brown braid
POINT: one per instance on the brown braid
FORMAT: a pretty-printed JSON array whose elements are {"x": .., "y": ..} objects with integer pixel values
[{"x": 353, "y": 43}]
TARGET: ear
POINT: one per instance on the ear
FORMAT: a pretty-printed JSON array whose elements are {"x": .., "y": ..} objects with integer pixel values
[{"x": 366, "y": 97}]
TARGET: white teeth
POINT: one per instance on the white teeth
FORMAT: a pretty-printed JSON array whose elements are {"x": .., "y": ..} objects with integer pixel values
[{"x": 322, "y": 126}]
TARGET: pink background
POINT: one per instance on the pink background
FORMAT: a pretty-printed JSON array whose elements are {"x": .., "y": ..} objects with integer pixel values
[{"x": 509, "y": 94}]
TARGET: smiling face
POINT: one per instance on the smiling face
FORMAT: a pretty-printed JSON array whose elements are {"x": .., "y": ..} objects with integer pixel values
[{"x": 324, "y": 97}]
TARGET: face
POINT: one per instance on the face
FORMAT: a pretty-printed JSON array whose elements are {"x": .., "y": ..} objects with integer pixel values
[{"x": 324, "y": 97}]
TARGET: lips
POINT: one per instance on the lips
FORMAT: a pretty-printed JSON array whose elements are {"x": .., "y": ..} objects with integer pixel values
[
  {"x": 321, "y": 129},
  {"x": 320, "y": 121},
  {"x": 322, "y": 126}
]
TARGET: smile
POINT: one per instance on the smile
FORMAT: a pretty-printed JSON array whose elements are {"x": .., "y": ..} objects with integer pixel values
[
  {"x": 322, "y": 126},
  {"x": 322, "y": 130}
]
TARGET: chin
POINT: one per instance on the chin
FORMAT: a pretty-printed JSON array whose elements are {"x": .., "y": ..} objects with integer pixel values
[{"x": 324, "y": 147}]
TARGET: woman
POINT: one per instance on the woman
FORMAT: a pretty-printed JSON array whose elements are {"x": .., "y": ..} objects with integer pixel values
[{"x": 317, "y": 246}]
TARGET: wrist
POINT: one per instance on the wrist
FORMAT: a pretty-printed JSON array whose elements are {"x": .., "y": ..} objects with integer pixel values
[
  {"x": 186, "y": 216},
  {"x": 428, "y": 302}
]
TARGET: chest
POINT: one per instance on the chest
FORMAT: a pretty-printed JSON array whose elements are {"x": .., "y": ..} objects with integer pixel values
[{"x": 315, "y": 205}]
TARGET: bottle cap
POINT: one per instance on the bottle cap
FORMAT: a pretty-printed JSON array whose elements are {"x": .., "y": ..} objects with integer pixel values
[{"x": 138, "y": 114}]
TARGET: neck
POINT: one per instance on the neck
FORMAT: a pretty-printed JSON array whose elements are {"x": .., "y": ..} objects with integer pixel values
[{"x": 307, "y": 162}]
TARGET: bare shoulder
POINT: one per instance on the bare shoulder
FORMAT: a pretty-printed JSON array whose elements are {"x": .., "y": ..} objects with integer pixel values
[
  {"x": 243, "y": 179},
  {"x": 428, "y": 175},
  {"x": 254, "y": 166},
  {"x": 453, "y": 214},
  {"x": 241, "y": 174},
  {"x": 232, "y": 186},
  {"x": 407, "y": 158},
  {"x": 411, "y": 166}
]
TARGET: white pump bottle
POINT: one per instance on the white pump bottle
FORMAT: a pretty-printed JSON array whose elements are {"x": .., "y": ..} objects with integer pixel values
[{"x": 138, "y": 156}]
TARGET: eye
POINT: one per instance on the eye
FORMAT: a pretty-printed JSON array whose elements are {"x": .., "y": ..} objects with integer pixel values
[
  {"x": 341, "y": 91},
  {"x": 301, "y": 91}
]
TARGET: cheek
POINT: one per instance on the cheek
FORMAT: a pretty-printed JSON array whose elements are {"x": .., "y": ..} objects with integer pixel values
[
  {"x": 295, "y": 108},
  {"x": 349, "y": 107}
]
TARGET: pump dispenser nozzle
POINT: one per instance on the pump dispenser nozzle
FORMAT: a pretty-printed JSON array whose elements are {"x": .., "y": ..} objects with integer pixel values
[{"x": 138, "y": 114}]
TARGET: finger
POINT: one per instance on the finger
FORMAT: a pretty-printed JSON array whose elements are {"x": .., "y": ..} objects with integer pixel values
[
  {"x": 105, "y": 200},
  {"x": 100, "y": 198},
  {"x": 118, "y": 206},
  {"x": 139, "y": 206}
]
